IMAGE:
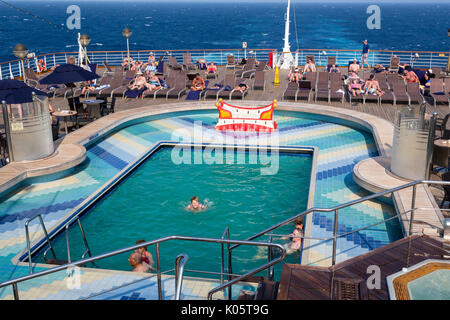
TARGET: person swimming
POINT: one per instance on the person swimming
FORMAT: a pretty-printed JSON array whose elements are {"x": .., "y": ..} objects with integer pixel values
[
  {"x": 195, "y": 204},
  {"x": 295, "y": 236}
]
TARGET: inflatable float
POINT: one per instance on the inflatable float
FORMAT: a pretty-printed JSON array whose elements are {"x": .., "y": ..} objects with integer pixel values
[{"x": 257, "y": 119}]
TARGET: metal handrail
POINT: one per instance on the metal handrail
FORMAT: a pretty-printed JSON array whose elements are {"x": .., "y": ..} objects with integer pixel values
[
  {"x": 180, "y": 262},
  {"x": 226, "y": 234},
  {"x": 71, "y": 221},
  {"x": 14, "y": 282},
  {"x": 335, "y": 209},
  {"x": 27, "y": 234}
]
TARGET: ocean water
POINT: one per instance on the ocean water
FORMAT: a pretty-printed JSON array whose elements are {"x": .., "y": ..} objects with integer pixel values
[{"x": 210, "y": 25}]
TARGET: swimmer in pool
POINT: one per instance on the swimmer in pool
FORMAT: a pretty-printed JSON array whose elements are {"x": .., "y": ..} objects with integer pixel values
[
  {"x": 295, "y": 243},
  {"x": 195, "y": 204}
]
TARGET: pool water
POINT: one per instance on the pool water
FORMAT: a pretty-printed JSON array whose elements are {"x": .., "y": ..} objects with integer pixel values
[
  {"x": 432, "y": 286},
  {"x": 151, "y": 203}
]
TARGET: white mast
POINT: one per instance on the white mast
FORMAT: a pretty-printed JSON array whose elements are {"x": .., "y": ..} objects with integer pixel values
[{"x": 288, "y": 59}]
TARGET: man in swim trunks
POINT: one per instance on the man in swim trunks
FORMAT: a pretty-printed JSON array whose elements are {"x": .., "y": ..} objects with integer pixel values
[
  {"x": 354, "y": 67},
  {"x": 372, "y": 86},
  {"x": 195, "y": 204},
  {"x": 198, "y": 84},
  {"x": 135, "y": 260},
  {"x": 146, "y": 256},
  {"x": 410, "y": 76}
]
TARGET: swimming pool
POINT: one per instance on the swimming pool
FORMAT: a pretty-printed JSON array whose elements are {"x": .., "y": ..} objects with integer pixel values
[
  {"x": 151, "y": 204},
  {"x": 340, "y": 144}
]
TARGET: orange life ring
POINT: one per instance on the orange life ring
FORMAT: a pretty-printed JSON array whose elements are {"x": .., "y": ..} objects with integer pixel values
[{"x": 41, "y": 65}]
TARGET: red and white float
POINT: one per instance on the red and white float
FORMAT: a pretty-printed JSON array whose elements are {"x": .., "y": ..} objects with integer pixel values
[{"x": 257, "y": 119}]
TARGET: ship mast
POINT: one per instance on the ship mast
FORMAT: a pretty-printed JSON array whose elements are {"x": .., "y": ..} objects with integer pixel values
[{"x": 288, "y": 59}]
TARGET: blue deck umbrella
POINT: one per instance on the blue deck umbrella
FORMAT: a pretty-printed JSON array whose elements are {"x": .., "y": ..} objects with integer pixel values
[
  {"x": 15, "y": 92},
  {"x": 68, "y": 73}
]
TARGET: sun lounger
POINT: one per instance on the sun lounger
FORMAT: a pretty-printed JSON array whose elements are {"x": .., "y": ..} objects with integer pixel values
[
  {"x": 437, "y": 92},
  {"x": 394, "y": 64},
  {"x": 336, "y": 88},
  {"x": 260, "y": 67},
  {"x": 249, "y": 67},
  {"x": 259, "y": 83},
  {"x": 388, "y": 96},
  {"x": 238, "y": 93},
  {"x": 231, "y": 62},
  {"x": 174, "y": 64},
  {"x": 304, "y": 90},
  {"x": 312, "y": 77},
  {"x": 187, "y": 61},
  {"x": 179, "y": 89},
  {"x": 322, "y": 87},
  {"x": 291, "y": 91},
  {"x": 414, "y": 93},
  {"x": 228, "y": 85},
  {"x": 399, "y": 90}
]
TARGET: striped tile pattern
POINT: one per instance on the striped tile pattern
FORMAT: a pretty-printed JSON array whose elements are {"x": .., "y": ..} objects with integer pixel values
[{"x": 340, "y": 148}]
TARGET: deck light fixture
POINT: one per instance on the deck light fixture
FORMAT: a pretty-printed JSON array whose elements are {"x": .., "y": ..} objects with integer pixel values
[
  {"x": 126, "y": 32},
  {"x": 21, "y": 51},
  {"x": 85, "y": 40}
]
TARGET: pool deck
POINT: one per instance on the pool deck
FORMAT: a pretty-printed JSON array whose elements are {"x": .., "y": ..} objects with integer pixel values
[
  {"x": 299, "y": 282},
  {"x": 70, "y": 150},
  {"x": 371, "y": 174}
]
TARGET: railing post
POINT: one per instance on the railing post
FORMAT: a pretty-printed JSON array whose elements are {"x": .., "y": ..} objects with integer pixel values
[
  {"x": 158, "y": 272},
  {"x": 84, "y": 237},
  {"x": 230, "y": 272},
  {"x": 269, "y": 258},
  {"x": 15, "y": 291},
  {"x": 413, "y": 204},
  {"x": 69, "y": 260},
  {"x": 333, "y": 259}
]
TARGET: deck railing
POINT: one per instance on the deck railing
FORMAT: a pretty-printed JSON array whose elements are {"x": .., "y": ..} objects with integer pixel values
[{"x": 418, "y": 59}]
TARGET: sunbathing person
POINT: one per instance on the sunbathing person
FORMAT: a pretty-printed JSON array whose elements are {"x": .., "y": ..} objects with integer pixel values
[
  {"x": 198, "y": 84},
  {"x": 334, "y": 68},
  {"x": 212, "y": 68},
  {"x": 139, "y": 82},
  {"x": 354, "y": 67},
  {"x": 355, "y": 87},
  {"x": 195, "y": 204},
  {"x": 295, "y": 75},
  {"x": 151, "y": 58},
  {"x": 125, "y": 62},
  {"x": 201, "y": 63},
  {"x": 153, "y": 82},
  {"x": 87, "y": 86},
  {"x": 310, "y": 66},
  {"x": 241, "y": 87},
  {"x": 410, "y": 76},
  {"x": 379, "y": 68},
  {"x": 372, "y": 86}
]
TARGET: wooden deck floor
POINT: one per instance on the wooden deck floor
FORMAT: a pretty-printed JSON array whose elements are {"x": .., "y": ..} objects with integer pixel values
[{"x": 300, "y": 282}]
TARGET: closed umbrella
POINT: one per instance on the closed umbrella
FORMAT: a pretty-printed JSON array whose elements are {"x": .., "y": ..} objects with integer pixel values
[{"x": 16, "y": 92}]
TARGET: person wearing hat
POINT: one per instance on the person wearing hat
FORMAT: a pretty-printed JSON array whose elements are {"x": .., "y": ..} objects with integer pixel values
[
  {"x": 139, "y": 82},
  {"x": 365, "y": 54}
]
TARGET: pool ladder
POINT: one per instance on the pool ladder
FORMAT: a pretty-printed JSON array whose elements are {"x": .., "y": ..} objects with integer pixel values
[{"x": 50, "y": 247}]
